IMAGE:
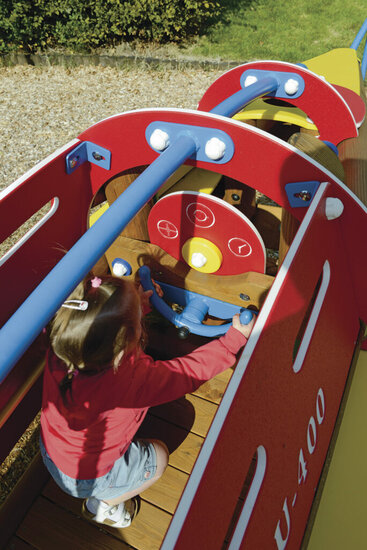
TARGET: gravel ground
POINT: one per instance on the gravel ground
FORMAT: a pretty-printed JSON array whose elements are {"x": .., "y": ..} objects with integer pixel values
[{"x": 41, "y": 109}]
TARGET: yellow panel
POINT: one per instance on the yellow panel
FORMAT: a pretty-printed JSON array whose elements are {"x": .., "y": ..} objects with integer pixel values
[
  {"x": 340, "y": 67},
  {"x": 340, "y": 522},
  {"x": 197, "y": 179},
  {"x": 97, "y": 214},
  {"x": 259, "y": 109},
  {"x": 172, "y": 180}
]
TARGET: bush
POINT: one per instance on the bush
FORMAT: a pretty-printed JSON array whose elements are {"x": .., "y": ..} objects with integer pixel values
[{"x": 87, "y": 24}]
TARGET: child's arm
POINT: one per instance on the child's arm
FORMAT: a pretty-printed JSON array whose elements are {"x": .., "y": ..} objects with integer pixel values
[
  {"x": 244, "y": 329},
  {"x": 156, "y": 382}
]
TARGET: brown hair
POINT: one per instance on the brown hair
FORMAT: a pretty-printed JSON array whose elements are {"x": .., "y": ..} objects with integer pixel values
[{"x": 90, "y": 340}]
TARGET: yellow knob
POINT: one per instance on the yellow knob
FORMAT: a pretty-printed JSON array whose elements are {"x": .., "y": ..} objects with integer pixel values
[{"x": 202, "y": 255}]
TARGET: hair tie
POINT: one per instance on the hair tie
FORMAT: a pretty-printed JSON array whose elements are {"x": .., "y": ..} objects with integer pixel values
[
  {"x": 72, "y": 371},
  {"x": 96, "y": 282}
]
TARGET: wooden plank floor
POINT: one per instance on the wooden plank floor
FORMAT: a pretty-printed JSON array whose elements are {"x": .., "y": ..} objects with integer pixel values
[{"x": 54, "y": 521}]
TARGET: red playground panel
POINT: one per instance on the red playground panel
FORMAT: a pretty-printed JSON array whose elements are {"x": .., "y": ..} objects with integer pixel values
[{"x": 179, "y": 217}]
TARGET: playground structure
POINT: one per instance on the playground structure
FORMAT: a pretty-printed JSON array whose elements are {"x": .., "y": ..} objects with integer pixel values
[{"x": 171, "y": 193}]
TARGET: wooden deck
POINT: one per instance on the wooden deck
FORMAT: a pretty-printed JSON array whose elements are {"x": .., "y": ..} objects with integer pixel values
[{"x": 54, "y": 520}]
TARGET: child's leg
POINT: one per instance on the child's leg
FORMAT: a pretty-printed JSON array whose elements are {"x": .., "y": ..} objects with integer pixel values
[
  {"x": 120, "y": 511},
  {"x": 162, "y": 456}
]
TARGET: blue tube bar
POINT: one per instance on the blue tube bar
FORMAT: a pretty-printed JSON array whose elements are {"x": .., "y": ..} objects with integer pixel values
[{"x": 234, "y": 103}]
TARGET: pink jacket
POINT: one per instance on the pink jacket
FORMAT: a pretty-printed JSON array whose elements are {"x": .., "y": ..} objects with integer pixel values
[{"x": 105, "y": 411}]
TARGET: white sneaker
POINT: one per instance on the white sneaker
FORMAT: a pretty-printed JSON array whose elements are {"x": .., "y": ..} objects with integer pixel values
[{"x": 119, "y": 515}]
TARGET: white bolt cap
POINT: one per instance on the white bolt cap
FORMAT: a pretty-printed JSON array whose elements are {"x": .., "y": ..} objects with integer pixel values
[
  {"x": 159, "y": 139},
  {"x": 250, "y": 79},
  {"x": 333, "y": 208},
  {"x": 119, "y": 269},
  {"x": 291, "y": 86},
  {"x": 198, "y": 259},
  {"x": 215, "y": 148}
]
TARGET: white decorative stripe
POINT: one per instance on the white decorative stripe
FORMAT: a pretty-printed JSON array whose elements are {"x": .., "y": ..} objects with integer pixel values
[
  {"x": 250, "y": 501},
  {"x": 297, "y": 365},
  {"x": 32, "y": 231}
]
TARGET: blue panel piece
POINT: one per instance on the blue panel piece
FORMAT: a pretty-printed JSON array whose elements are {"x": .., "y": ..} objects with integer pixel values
[
  {"x": 300, "y": 194},
  {"x": 200, "y": 135},
  {"x": 291, "y": 85},
  {"x": 88, "y": 151}
]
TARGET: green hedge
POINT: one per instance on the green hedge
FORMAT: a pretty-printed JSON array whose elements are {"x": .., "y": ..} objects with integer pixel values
[{"x": 83, "y": 25}]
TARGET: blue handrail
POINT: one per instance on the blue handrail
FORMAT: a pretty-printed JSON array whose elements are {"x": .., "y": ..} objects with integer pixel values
[
  {"x": 36, "y": 311},
  {"x": 356, "y": 43}
]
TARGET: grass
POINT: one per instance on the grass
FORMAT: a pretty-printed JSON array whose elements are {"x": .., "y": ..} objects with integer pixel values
[{"x": 288, "y": 30}]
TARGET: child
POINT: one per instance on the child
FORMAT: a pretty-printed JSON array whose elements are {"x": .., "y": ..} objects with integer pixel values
[{"x": 98, "y": 386}]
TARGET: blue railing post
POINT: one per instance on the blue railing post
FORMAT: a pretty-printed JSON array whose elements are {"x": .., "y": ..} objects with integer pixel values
[
  {"x": 355, "y": 45},
  {"x": 36, "y": 311}
]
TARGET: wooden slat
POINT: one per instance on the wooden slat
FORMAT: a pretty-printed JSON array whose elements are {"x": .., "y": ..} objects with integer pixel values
[
  {"x": 21, "y": 498},
  {"x": 48, "y": 526},
  {"x": 353, "y": 155},
  {"x": 288, "y": 229},
  {"x": 167, "y": 491},
  {"x": 145, "y": 533},
  {"x": 189, "y": 412},
  {"x": 267, "y": 221},
  {"x": 148, "y": 529},
  {"x": 214, "y": 389},
  {"x": 137, "y": 228},
  {"x": 183, "y": 446}
]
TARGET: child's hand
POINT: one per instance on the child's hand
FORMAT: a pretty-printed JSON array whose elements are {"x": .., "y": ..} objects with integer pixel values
[
  {"x": 158, "y": 289},
  {"x": 146, "y": 294},
  {"x": 244, "y": 329}
]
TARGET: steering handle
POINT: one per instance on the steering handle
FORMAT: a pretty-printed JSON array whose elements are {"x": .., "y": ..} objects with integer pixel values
[{"x": 190, "y": 320}]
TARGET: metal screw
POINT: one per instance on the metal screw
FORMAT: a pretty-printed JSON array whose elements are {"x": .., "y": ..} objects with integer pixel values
[
  {"x": 303, "y": 195},
  {"x": 97, "y": 156},
  {"x": 73, "y": 162},
  {"x": 245, "y": 297},
  {"x": 235, "y": 197}
]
